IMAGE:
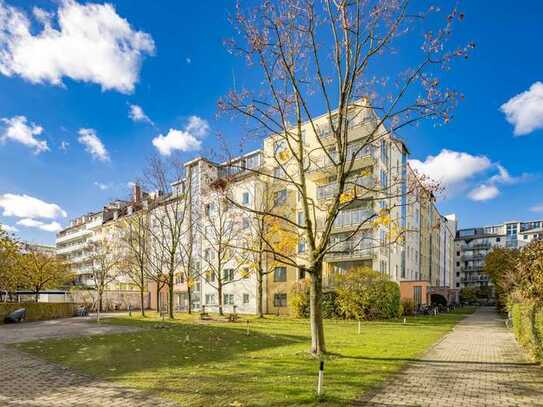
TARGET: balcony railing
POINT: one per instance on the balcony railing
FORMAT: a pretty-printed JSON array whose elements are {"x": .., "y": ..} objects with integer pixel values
[
  {"x": 330, "y": 190},
  {"x": 350, "y": 249},
  {"x": 323, "y": 162},
  {"x": 352, "y": 217}
]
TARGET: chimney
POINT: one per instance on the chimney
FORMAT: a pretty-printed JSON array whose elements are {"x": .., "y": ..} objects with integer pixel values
[{"x": 136, "y": 193}]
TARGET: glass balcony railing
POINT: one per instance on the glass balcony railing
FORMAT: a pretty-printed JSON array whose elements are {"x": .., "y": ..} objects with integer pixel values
[
  {"x": 354, "y": 151},
  {"x": 330, "y": 190},
  {"x": 353, "y": 217}
]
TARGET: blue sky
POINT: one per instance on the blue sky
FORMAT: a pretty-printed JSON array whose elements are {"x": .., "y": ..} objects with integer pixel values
[{"x": 176, "y": 68}]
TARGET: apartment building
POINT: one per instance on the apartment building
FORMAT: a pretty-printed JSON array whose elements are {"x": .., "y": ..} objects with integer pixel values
[
  {"x": 73, "y": 242},
  {"x": 388, "y": 222},
  {"x": 473, "y": 244}
]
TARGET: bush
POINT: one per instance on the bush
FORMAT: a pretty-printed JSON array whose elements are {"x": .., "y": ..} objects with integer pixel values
[
  {"x": 299, "y": 302},
  {"x": 39, "y": 311},
  {"x": 528, "y": 328},
  {"x": 408, "y": 307},
  {"x": 367, "y": 294}
]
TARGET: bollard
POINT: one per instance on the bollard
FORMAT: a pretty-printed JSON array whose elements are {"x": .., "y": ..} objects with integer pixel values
[
  {"x": 321, "y": 377},
  {"x": 404, "y": 320},
  {"x": 247, "y": 327},
  {"x": 359, "y": 327}
]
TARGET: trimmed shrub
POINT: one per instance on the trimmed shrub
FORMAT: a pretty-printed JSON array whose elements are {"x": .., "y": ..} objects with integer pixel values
[
  {"x": 299, "y": 300},
  {"x": 39, "y": 311},
  {"x": 528, "y": 328},
  {"x": 408, "y": 307},
  {"x": 367, "y": 294}
]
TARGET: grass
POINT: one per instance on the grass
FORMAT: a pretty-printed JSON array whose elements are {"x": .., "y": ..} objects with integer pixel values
[{"x": 218, "y": 364}]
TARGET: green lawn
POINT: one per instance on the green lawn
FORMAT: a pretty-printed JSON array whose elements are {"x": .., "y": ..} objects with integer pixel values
[{"x": 217, "y": 364}]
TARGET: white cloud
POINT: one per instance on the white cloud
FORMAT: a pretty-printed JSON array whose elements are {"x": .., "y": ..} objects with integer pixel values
[
  {"x": 451, "y": 168},
  {"x": 32, "y": 223},
  {"x": 138, "y": 115},
  {"x": 537, "y": 208},
  {"x": 25, "y": 206},
  {"x": 93, "y": 145},
  {"x": 525, "y": 110},
  {"x": 189, "y": 139},
  {"x": 64, "y": 145},
  {"x": 188, "y": 60},
  {"x": 8, "y": 228},
  {"x": 101, "y": 185},
  {"x": 17, "y": 129},
  {"x": 484, "y": 192},
  {"x": 89, "y": 43}
]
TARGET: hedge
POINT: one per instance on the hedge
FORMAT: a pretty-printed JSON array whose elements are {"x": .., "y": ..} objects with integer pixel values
[
  {"x": 39, "y": 311},
  {"x": 528, "y": 328}
]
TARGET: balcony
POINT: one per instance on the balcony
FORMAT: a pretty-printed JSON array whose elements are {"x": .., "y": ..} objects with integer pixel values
[
  {"x": 322, "y": 167},
  {"x": 349, "y": 251},
  {"x": 330, "y": 191},
  {"x": 352, "y": 218},
  {"x": 471, "y": 257},
  {"x": 477, "y": 246}
]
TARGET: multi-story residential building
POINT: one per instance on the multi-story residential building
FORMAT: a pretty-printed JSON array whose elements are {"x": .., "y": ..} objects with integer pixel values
[
  {"x": 72, "y": 243},
  {"x": 393, "y": 225},
  {"x": 473, "y": 244}
]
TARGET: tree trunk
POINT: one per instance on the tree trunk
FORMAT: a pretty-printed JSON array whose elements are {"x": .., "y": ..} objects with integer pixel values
[
  {"x": 142, "y": 302},
  {"x": 315, "y": 311},
  {"x": 219, "y": 293},
  {"x": 37, "y": 295},
  {"x": 189, "y": 294},
  {"x": 170, "y": 296},
  {"x": 158, "y": 297},
  {"x": 99, "y": 308},
  {"x": 260, "y": 297}
]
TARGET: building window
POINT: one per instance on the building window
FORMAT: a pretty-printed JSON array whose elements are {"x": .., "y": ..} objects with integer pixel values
[
  {"x": 280, "y": 197},
  {"x": 301, "y": 274},
  {"x": 498, "y": 239},
  {"x": 245, "y": 198},
  {"x": 301, "y": 218},
  {"x": 228, "y": 275},
  {"x": 228, "y": 299},
  {"x": 301, "y": 246},
  {"x": 457, "y": 264},
  {"x": 280, "y": 274},
  {"x": 246, "y": 298},
  {"x": 280, "y": 300},
  {"x": 245, "y": 272},
  {"x": 245, "y": 223},
  {"x": 210, "y": 299}
]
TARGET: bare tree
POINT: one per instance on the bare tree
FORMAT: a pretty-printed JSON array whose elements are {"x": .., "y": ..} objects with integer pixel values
[
  {"x": 106, "y": 259},
  {"x": 167, "y": 219},
  {"x": 342, "y": 57},
  {"x": 222, "y": 262},
  {"x": 135, "y": 236},
  {"x": 190, "y": 269}
]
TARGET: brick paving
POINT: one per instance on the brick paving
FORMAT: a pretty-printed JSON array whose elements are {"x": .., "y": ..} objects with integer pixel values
[
  {"x": 28, "y": 381},
  {"x": 478, "y": 364}
]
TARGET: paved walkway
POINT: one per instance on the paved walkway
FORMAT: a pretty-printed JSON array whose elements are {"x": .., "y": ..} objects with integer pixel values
[
  {"x": 28, "y": 381},
  {"x": 478, "y": 364}
]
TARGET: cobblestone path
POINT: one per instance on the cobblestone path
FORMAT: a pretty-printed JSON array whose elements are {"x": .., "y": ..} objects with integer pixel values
[{"x": 478, "y": 364}]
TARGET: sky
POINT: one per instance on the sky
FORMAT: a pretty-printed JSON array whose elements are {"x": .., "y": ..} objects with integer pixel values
[{"x": 89, "y": 90}]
